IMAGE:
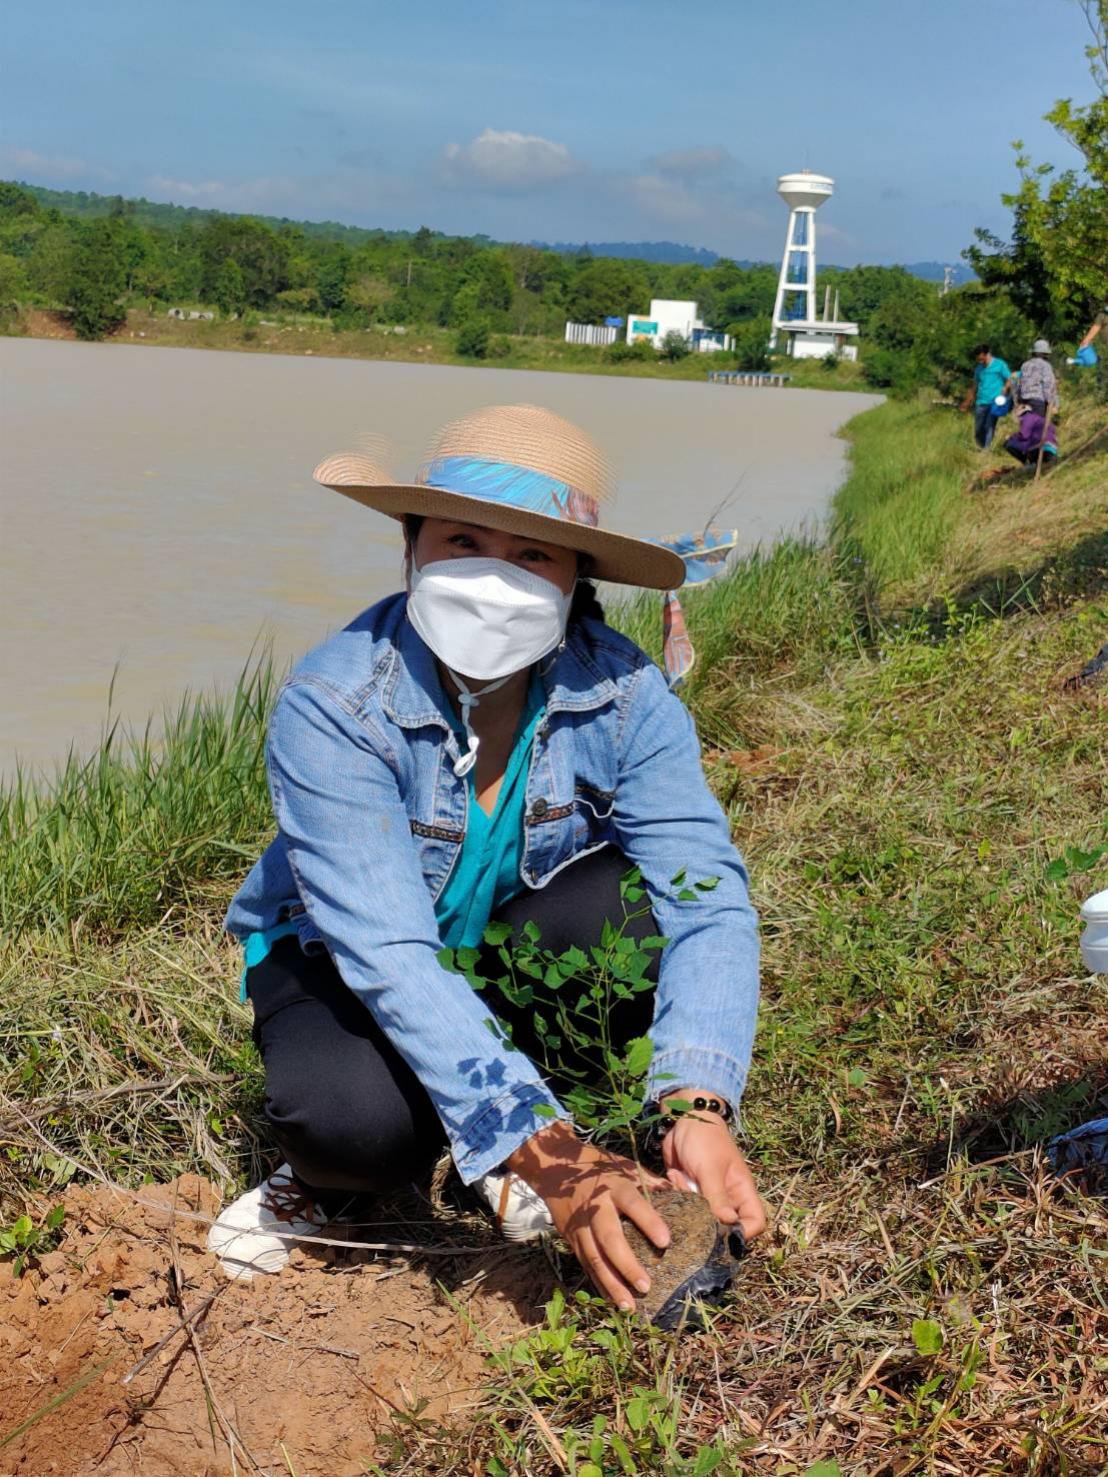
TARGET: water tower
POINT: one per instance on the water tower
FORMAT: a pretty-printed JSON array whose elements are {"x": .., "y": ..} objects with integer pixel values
[
  {"x": 794, "y": 312},
  {"x": 803, "y": 193}
]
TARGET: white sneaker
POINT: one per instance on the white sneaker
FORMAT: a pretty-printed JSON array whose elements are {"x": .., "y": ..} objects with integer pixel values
[
  {"x": 520, "y": 1213},
  {"x": 242, "y": 1238}
]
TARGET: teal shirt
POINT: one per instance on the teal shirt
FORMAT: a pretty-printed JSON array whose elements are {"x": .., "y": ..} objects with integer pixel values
[
  {"x": 486, "y": 872},
  {"x": 990, "y": 379}
]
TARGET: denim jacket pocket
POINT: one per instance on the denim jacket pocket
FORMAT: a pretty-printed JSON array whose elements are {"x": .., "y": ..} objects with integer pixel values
[
  {"x": 438, "y": 847},
  {"x": 592, "y": 815}
]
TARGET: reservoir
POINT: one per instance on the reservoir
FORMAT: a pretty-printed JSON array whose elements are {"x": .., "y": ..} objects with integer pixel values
[{"x": 158, "y": 518}]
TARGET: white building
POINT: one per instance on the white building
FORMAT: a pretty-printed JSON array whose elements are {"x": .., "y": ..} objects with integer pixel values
[
  {"x": 816, "y": 338},
  {"x": 672, "y": 315}
]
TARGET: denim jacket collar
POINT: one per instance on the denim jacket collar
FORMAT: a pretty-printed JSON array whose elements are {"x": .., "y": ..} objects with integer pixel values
[{"x": 412, "y": 693}]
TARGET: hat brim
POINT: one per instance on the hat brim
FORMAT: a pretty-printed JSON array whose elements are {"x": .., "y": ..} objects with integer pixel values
[{"x": 616, "y": 557}]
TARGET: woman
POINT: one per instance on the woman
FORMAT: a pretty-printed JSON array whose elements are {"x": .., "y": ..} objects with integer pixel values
[
  {"x": 1035, "y": 382},
  {"x": 485, "y": 746}
]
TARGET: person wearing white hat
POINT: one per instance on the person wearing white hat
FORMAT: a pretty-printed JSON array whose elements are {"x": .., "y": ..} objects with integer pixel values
[
  {"x": 483, "y": 746},
  {"x": 1036, "y": 385}
]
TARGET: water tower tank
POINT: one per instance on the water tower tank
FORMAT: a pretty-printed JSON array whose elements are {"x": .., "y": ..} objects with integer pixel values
[{"x": 804, "y": 190}]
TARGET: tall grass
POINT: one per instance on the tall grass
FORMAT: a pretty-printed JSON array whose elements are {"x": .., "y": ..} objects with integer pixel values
[
  {"x": 899, "y": 505},
  {"x": 783, "y": 609},
  {"x": 144, "y": 824}
]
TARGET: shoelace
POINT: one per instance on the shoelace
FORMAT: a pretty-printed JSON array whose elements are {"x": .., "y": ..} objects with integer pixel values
[
  {"x": 285, "y": 1199},
  {"x": 467, "y": 701}
]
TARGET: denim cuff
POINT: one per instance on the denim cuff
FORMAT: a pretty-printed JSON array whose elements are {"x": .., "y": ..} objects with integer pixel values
[
  {"x": 697, "y": 1066},
  {"x": 498, "y": 1128}
]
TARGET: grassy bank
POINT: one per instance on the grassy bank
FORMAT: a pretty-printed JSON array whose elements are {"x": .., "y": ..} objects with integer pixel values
[
  {"x": 314, "y": 336},
  {"x": 885, "y": 720}
]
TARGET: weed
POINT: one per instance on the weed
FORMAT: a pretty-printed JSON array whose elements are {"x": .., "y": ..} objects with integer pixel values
[{"x": 26, "y": 1241}]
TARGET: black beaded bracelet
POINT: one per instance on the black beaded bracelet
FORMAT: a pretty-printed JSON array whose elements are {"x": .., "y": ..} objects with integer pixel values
[{"x": 665, "y": 1119}]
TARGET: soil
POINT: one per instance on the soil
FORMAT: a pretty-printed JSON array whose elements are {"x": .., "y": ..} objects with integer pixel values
[
  {"x": 44, "y": 323},
  {"x": 697, "y": 1262},
  {"x": 308, "y": 1367}
]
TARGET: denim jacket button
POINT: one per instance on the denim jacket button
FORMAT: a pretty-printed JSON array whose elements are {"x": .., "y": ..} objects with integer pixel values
[{"x": 539, "y": 809}]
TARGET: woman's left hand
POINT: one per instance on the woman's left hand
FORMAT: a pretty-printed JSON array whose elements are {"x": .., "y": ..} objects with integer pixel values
[{"x": 699, "y": 1148}]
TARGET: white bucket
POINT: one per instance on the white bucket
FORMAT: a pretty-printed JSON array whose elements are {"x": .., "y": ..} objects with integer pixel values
[{"x": 1094, "y": 941}]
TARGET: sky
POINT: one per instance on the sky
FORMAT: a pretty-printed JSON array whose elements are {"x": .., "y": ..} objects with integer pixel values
[{"x": 553, "y": 120}]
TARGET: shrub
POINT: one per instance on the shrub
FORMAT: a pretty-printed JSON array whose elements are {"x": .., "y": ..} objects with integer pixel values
[
  {"x": 641, "y": 350},
  {"x": 349, "y": 318},
  {"x": 473, "y": 339},
  {"x": 889, "y": 369},
  {"x": 752, "y": 345},
  {"x": 674, "y": 345}
]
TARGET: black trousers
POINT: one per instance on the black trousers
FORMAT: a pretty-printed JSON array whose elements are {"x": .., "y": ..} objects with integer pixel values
[{"x": 346, "y": 1110}]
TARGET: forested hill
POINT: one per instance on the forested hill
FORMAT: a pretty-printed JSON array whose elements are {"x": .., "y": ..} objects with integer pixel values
[
  {"x": 145, "y": 212},
  {"x": 59, "y": 248},
  {"x": 89, "y": 205},
  {"x": 641, "y": 251}
]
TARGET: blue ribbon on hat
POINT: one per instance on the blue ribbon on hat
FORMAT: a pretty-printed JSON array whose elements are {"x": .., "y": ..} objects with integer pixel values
[{"x": 511, "y": 486}]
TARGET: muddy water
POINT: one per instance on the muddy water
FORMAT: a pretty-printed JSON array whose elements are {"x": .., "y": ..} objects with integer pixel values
[{"x": 157, "y": 514}]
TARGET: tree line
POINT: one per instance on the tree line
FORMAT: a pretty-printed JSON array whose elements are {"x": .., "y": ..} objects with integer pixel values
[{"x": 94, "y": 262}]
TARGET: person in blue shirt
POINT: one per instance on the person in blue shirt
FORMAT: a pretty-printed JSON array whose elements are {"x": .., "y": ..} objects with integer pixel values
[
  {"x": 991, "y": 377},
  {"x": 483, "y": 746}
]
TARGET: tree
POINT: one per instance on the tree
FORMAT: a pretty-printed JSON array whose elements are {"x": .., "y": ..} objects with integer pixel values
[
  {"x": 13, "y": 285},
  {"x": 229, "y": 291},
  {"x": 605, "y": 287},
  {"x": 473, "y": 338},
  {"x": 262, "y": 256},
  {"x": 50, "y": 263},
  {"x": 332, "y": 276},
  {"x": 97, "y": 281},
  {"x": 1056, "y": 262},
  {"x": 741, "y": 297},
  {"x": 1017, "y": 268}
]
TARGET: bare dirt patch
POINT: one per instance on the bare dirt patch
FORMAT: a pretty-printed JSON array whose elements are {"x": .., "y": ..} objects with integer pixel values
[
  {"x": 45, "y": 323},
  {"x": 304, "y": 1368}
]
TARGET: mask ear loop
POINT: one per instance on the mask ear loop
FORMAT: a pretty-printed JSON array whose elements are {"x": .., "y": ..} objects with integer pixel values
[
  {"x": 561, "y": 646},
  {"x": 467, "y": 701}
]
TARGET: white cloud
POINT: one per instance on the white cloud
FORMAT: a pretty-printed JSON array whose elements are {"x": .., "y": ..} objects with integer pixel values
[
  {"x": 662, "y": 199},
  {"x": 830, "y": 232},
  {"x": 507, "y": 162},
  {"x": 267, "y": 193},
  {"x": 36, "y": 167},
  {"x": 692, "y": 163}
]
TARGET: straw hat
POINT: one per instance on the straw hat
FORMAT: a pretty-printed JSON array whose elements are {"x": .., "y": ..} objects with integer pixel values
[{"x": 520, "y": 469}]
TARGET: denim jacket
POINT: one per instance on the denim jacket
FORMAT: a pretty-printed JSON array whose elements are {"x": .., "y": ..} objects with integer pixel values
[{"x": 370, "y": 819}]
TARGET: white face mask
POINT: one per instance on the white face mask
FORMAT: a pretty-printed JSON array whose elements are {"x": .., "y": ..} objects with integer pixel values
[{"x": 485, "y": 618}]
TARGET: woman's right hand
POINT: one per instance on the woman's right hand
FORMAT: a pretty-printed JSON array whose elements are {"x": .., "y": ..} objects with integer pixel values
[{"x": 587, "y": 1190}]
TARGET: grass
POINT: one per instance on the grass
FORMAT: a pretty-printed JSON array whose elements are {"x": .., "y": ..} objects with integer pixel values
[
  {"x": 144, "y": 826},
  {"x": 886, "y": 723}
]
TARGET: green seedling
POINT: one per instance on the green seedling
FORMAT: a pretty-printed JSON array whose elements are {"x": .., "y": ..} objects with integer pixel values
[{"x": 26, "y": 1242}]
